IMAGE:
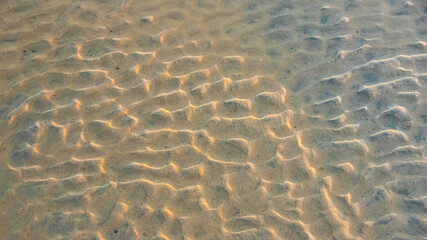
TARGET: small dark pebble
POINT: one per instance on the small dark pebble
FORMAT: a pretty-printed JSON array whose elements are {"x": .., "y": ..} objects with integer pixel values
[
  {"x": 295, "y": 126},
  {"x": 166, "y": 146},
  {"x": 116, "y": 231},
  {"x": 117, "y": 68},
  {"x": 423, "y": 116}
]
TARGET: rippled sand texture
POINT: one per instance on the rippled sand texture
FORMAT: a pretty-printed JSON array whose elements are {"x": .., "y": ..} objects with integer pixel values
[{"x": 213, "y": 119}]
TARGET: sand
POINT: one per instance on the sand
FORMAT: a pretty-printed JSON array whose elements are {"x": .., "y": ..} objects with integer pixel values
[{"x": 173, "y": 119}]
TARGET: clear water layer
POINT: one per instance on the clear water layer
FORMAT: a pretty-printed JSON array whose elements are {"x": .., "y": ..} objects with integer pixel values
[{"x": 213, "y": 119}]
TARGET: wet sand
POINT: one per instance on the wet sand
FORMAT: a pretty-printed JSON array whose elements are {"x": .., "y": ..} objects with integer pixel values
[{"x": 125, "y": 119}]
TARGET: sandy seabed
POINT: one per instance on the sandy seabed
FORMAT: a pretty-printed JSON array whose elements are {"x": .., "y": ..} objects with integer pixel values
[{"x": 204, "y": 119}]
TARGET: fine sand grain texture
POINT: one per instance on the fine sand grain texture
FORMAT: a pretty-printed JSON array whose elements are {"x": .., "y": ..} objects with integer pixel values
[{"x": 213, "y": 119}]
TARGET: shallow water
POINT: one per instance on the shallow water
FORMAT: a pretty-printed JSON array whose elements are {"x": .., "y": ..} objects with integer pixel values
[{"x": 220, "y": 119}]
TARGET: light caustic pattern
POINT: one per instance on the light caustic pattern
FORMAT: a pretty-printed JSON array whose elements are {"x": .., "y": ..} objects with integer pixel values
[{"x": 213, "y": 119}]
